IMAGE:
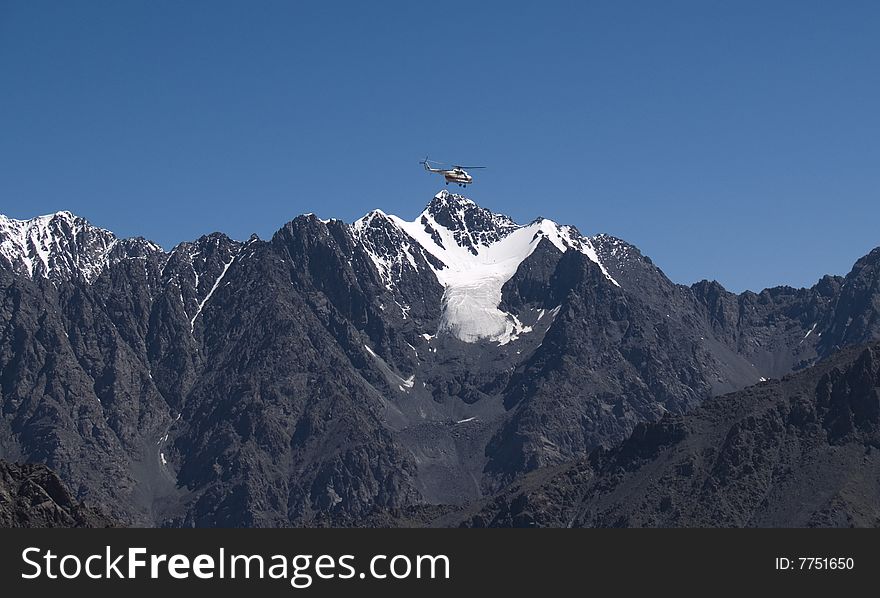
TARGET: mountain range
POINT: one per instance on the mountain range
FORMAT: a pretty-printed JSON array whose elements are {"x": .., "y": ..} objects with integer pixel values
[
  {"x": 428, "y": 371},
  {"x": 796, "y": 452}
]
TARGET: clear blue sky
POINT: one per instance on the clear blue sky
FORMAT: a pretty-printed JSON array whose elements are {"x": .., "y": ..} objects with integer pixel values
[{"x": 728, "y": 140}]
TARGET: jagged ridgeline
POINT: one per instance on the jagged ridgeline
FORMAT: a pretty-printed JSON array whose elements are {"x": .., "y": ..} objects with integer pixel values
[
  {"x": 341, "y": 370},
  {"x": 797, "y": 452}
]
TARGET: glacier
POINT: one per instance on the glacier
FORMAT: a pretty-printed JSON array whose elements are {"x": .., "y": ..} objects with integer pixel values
[{"x": 478, "y": 251}]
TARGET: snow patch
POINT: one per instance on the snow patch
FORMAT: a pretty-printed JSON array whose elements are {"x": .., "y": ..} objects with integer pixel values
[{"x": 192, "y": 323}]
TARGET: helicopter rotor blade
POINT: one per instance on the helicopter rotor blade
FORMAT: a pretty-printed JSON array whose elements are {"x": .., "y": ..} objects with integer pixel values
[
  {"x": 468, "y": 167},
  {"x": 435, "y": 162}
]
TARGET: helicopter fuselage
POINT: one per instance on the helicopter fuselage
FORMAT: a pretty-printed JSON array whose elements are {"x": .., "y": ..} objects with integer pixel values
[{"x": 457, "y": 176}]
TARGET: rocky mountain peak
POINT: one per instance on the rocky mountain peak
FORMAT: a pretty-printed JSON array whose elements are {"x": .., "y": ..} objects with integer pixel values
[
  {"x": 471, "y": 225},
  {"x": 60, "y": 246},
  {"x": 471, "y": 251}
]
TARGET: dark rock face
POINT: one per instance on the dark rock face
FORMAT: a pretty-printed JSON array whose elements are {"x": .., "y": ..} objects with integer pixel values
[
  {"x": 470, "y": 224},
  {"x": 308, "y": 379},
  {"x": 855, "y": 317},
  {"x": 530, "y": 284},
  {"x": 150, "y": 400},
  {"x": 279, "y": 425},
  {"x": 33, "y": 496},
  {"x": 798, "y": 452}
]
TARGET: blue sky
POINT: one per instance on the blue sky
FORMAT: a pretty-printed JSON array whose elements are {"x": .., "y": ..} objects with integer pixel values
[{"x": 728, "y": 140}]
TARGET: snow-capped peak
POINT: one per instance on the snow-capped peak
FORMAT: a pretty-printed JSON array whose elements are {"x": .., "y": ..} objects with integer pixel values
[
  {"x": 391, "y": 249},
  {"x": 60, "y": 246},
  {"x": 472, "y": 251},
  {"x": 471, "y": 226}
]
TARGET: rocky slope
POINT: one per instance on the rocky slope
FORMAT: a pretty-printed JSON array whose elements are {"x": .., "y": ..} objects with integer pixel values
[
  {"x": 339, "y": 370},
  {"x": 33, "y": 496},
  {"x": 801, "y": 451}
]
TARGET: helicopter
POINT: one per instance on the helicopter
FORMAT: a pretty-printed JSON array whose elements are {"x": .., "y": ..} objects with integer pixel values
[{"x": 457, "y": 174}]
